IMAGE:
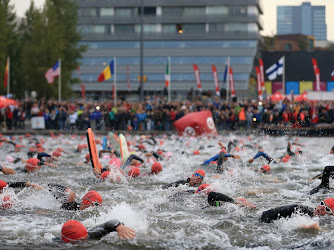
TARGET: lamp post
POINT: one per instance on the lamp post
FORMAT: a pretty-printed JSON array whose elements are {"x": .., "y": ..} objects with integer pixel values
[{"x": 141, "y": 50}]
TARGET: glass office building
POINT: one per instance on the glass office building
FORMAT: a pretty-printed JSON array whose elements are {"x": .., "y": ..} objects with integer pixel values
[
  {"x": 305, "y": 19},
  {"x": 198, "y": 32}
]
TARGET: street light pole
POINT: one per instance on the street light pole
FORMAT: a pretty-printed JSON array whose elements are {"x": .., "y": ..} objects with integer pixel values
[{"x": 141, "y": 50}]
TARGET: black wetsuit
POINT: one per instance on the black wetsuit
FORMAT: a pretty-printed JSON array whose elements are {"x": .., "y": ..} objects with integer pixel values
[
  {"x": 217, "y": 199},
  {"x": 130, "y": 158},
  {"x": 20, "y": 184},
  {"x": 176, "y": 183},
  {"x": 284, "y": 212},
  {"x": 59, "y": 192},
  {"x": 324, "y": 185}
]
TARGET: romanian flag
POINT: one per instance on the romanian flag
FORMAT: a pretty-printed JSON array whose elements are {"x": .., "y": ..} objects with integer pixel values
[
  {"x": 107, "y": 72},
  {"x": 6, "y": 73}
]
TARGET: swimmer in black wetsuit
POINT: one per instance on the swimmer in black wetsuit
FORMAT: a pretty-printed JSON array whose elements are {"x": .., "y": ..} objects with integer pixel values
[
  {"x": 332, "y": 150},
  {"x": 324, "y": 185},
  {"x": 67, "y": 196},
  {"x": 217, "y": 199},
  {"x": 74, "y": 232},
  {"x": 325, "y": 207},
  {"x": 193, "y": 181},
  {"x": 261, "y": 153},
  {"x": 17, "y": 184}
]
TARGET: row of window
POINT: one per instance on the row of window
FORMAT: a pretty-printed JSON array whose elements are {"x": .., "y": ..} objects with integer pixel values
[
  {"x": 161, "y": 77},
  {"x": 169, "y": 11},
  {"x": 171, "y": 44},
  {"x": 169, "y": 28},
  {"x": 175, "y": 60}
]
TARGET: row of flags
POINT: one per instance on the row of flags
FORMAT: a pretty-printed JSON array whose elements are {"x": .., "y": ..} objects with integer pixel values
[{"x": 272, "y": 73}]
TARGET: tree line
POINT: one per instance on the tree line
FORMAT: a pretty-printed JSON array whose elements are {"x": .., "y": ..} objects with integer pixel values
[{"x": 35, "y": 43}]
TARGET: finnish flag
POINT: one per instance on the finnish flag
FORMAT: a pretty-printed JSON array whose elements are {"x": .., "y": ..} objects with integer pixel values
[{"x": 275, "y": 70}]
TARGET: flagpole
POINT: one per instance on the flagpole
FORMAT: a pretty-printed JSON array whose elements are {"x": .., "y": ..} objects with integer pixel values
[
  {"x": 169, "y": 73},
  {"x": 228, "y": 79},
  {"x": 283, "y": 77},
  {"x": 8, "y": 78},
  {"x": 59, "y": 82},
  {"x": 115, "y": 90}
]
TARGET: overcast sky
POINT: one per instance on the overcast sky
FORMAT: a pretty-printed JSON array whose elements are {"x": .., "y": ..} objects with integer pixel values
[{"x": 269, "y": 16}]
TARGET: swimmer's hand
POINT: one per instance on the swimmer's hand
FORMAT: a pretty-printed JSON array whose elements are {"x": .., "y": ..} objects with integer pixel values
[
  {"x": 39, "y": 187},
  {"x": 125, "y": 232},
  {"x": 250, "y": 161},
  {"x": 50, "y": 164},
  {"x": 243, "y": 202},
  {"x": 236, "y": 157},
  {"x": 313, "y": 226},
  {"x": 96, "y": 172},
  {"x": 6, "y": 171}
]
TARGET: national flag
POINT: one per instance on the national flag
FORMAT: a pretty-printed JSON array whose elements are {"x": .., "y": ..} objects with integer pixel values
[
  {"x": 198, "y": 79},
  {"x": 316, "y": 73},
  {"x": 332, "y": 75},
  {"x": 215, "y": 78},
  {"x": 52, "y": 73},
  {"x": 232, "y": 82},
  {"x": 167, "y": 75},
  {"x": 107, "y": 72},
  {"x": 276, "y": 69},
  {"x": 6, "y": 73}
]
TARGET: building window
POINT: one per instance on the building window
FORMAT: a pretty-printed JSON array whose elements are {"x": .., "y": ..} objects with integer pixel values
[
  {"x": 288, "y": 46},
  {"x": 106, "y": 11},
  {"x": 148, "y": 11},
  {"x": 172, "y": 11},
  {"x": 87, "y": 12},
  {"x": 147, "y": 28},
  {"x": 92, "y": 28},
  {"x": 216, "y": 27},
  {"x": 168, "y": 28},
  {"x": 190, "y": 11},
  {"x": 198, "y": 27},
  {"x": 253, "y": 11},
  {"x": 217, "y": 10},
  {"x": 238, "y": 11},
  {"x": 124, "y": 28},
  {"x": 124, "y": 12},
  {"x": 233, "y": 27}
]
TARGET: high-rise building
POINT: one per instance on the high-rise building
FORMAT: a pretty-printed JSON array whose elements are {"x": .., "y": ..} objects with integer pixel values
[
  {"x": 198, "y": 32},
  {"x": 305, "y": 19}
]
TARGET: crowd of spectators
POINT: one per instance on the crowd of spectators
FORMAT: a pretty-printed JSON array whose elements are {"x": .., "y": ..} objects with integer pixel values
[{"x": 156, "y": 114}]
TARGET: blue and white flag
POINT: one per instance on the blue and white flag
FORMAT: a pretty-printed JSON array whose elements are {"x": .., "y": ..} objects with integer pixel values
[{"x": 275, "y": 70}]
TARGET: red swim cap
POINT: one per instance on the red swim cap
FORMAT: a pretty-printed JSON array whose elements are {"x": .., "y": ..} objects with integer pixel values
[
  {"x": 196, "y": 152},
  {"x": 72, "y": 231},
  {"x": 32, "y": 164},
  {"x": 330, "y": 202},
  {"x": 80, "y": 147},
  {"x": 90, "y": 199},
  {"x": 156, "y": 167},
  {"x": 56, "y": 153},
  {"x": 200, "y": 172},
  {"x": 85, "y": 145},
  {"x": 18, "y": 146},
  {"x": 32, "y": 150},
  {"x": 104, "y": 175},
  {"x": 40, "y": 150},
  {"x": 141, "y": 147},
  {"x": 27, "y": 135},
  {"x": 265, "y": 168},
  {"x": 115, "y": 162},
  {"x": 134, "y": 172},
  {"x": 285, "y": 159},
  {"x": 204, "y": 188},
  {"x": 6, "y": 202},
  {"x": 60, "y": 149},
  {"x": 87, "y": 157},
  {"x": 160, "y": 152},
  {"x": 3, "y": 184},
  {"x": 38, "y": 145}
]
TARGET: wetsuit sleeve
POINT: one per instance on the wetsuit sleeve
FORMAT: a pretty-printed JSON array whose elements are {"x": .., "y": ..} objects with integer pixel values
[
  {"x": 58, "y": 191},
  {"x": 289, "y": 151},
  {"x": 263, "y": 155},
  {"x": 228, "y": 155},
  {"x": 17, "y": 184},
  {"x": 284, "y": 212},
  {"x": 327, "y": 173},
  {"x": 41, "y": 155},
  {"x": 175, "y": 184},
  {"x": 131, "y": 157},
  {"x": 229, "y": 146},
  {"x": 319, "y": 176},
  {"x": 70, "y": 206},
  {"x": 101, "y": 230},
  {"x": 217, "y": 199},
  {"x": 215, "y": 158},
  {"x": 156, "y": 155}
]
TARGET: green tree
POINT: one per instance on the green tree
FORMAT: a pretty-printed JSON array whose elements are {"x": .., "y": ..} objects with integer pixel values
[
  {"x": 268, "y": 43},
  {"x": 302, "y": 43},
  {"x": 8, "y": 38},
  {"x": 53, "y": 35}
]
